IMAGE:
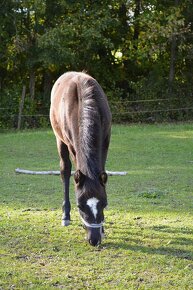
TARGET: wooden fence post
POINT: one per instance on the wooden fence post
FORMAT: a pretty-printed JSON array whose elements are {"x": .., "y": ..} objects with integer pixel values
[{"x": 21, "y": 107}]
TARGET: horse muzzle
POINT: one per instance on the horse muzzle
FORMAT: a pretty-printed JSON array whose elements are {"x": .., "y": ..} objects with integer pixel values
[
  {"x": 94, "y": 236},
  {"x": 95, "y": 232}
]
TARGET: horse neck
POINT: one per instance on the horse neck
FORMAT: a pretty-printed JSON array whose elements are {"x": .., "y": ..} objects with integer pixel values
[
  {"x": 90, "y": 133},
  {"x": 90, "y": 163}
]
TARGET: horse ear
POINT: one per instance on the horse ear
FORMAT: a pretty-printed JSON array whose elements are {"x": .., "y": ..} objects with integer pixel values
[
  {"x": 103, "y": 178},
  {"x": 79, "y": 177}
]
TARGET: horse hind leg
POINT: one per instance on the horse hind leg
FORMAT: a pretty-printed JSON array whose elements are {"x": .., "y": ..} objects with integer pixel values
[{"x": 65, "y": 172}]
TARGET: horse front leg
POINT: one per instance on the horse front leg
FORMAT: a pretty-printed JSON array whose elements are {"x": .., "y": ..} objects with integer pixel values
[
  {"x": 65, "y": 172},
  {"x": 66, "y": 207}
]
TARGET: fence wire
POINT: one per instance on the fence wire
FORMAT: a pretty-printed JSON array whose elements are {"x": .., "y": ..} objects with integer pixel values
[{"x": 122, "y": 111}]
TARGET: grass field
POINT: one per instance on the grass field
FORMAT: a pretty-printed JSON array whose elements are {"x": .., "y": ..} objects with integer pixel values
[{"x": 149, "y": 220}]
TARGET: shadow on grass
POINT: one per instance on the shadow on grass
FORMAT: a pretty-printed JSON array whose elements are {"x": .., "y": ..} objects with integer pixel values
[
  {"x": 165, "y": 237},
  {"x": 173, "y": 252},
  {"x": 167, "y": 229}
]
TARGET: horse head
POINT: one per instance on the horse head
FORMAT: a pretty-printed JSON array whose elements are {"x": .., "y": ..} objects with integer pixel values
[{"x": 91, "y": 201}]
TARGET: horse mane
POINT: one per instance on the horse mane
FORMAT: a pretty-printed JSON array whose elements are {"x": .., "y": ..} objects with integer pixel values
[{"x": 90, "y": 125}]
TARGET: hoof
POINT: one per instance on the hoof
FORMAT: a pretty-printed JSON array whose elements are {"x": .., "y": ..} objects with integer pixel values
[
  {"x": 103, "y": 236},
  {"x": 65, "y": 223}
]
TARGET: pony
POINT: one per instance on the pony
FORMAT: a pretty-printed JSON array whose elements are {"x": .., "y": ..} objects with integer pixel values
[{"x": 81, "y": 121}]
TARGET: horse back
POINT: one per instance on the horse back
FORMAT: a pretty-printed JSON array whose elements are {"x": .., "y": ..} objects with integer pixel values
[{"x": 79, "y": 107}]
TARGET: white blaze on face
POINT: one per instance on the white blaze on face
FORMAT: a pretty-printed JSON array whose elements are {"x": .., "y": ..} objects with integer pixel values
[{"x": 92, "y": 203}]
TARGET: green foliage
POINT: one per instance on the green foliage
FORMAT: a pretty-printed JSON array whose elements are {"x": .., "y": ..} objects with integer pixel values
[{"x": 135, "y": 49}]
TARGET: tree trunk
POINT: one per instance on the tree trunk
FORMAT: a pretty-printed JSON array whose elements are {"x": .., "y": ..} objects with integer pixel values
[
  {"x": 21, "y": 107},
  {"x": 136, "y": 17},
  {"x": 172, "y": 60},
  {"x": 173, "y": 56},
  {"x": 47, "y": 85},
  {"x": 32, "y": 84}
]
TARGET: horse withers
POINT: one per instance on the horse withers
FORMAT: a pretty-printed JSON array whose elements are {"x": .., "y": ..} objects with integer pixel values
[{"x": 81, "y": 121}]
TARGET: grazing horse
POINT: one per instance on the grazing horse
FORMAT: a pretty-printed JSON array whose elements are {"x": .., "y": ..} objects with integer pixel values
[{"x": 81, "y": 121}]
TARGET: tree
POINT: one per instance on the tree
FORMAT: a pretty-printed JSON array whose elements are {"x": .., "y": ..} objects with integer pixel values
[
  {"x": 135, "y": 49},
  {"x": 6, "y": 33}
]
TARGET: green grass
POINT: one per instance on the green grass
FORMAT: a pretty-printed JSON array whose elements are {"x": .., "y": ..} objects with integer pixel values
[{"x": 149, "y": 220}]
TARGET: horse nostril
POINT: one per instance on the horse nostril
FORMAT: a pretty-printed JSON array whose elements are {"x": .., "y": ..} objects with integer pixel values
[{"x": 94, "y": 242}]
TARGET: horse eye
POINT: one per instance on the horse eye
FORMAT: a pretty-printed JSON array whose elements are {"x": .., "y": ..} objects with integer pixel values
[{"x": 104, "y": 204}]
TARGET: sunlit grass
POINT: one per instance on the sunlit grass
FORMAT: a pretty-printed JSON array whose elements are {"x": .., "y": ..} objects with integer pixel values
[{"x": 149, "y": 229}]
